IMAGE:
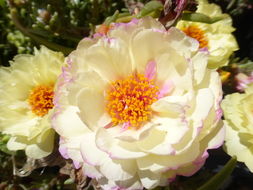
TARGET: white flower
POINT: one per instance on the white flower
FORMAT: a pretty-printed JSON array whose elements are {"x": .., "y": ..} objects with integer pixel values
[
  {"x": 26, "y": 97},
  {"x": 216, "y": 37},
  {"x": 239, "y": 125},
  {"x": 138, "y": 106}
]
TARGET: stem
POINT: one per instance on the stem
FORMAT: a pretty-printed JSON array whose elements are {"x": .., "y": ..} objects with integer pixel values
[{"x": 217, "y": 180}]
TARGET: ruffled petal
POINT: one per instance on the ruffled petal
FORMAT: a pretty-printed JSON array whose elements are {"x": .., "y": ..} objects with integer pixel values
[
  {"x": 149, "y": 179},
  {"x": 156, "y": 143},
  {"x": 68, "y": 123},
  {"x": 104, "y": 58},
  {"x": 87, "y": 101},
  {"x": 131, "y": 135},
  {"x": 116, "y": 148},
  {"x": 158, "y": 163},
  {"x": 235, "y": 148}
]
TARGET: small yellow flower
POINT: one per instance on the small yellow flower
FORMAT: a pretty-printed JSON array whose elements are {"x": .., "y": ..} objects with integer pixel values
[
  {"x": 217, "y": 37},
  {"x": 26, "y": 99},
  {"x": 238, "y": 112}
]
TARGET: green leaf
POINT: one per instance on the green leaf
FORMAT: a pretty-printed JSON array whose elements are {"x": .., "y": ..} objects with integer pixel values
[
  {"x": 152, "y": 8},
  {"x": 2, "y": 3},
  {"x": 3, "y": 141},
  {"x": 231, "y": 4},
  {"x": 216, "y": 181},
  {"x": 112, "y": 18},
  {"x": 69, "y": 181},
  {"x": 126, "y": 18},
  {"x": 198, "y": 17},
  {"x": 246, "y": 66}
]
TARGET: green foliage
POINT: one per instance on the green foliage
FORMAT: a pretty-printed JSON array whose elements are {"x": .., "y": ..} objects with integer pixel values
[
  {"x": 198, "y": 17},
  {"x": 239, "y": 65},
  {"x": 12, "y": 41},
  {"x": 3, "y": 141},
  {"x": 47, "y": 178},
  {"x": 216, "y": 181},
  {"x": 246, "y": 66},
  {"x": 192, "y": 183},
  {"x": 64, "y": 22},
  {"x": 235, "y": 7},
  {"x": 153, "y": 8},
  {"x": 59, "y": 25}
]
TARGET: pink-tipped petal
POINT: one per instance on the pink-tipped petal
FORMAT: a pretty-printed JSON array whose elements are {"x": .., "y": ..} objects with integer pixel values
[
  {"x": 166, "y": 89},
  {"x": 150, "y": 70},
  {"x": 125, "y": 126},
  {"x": 64, "y": 152}
]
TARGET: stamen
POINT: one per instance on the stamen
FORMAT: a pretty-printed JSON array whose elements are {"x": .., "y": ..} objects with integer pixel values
[
  {"x": 129, "y": 100},
  {"x": 196, "y": 33},
  {"x": 41, "y": 99}
]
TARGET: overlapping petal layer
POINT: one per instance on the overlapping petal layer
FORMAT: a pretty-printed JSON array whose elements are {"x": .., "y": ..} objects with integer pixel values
[{"x": 239, "y": 126}]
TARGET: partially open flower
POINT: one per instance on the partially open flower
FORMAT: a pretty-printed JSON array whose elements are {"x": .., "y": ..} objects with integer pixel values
[
  {"x": 239, "y": 125},
  {"x": 216, "y": 37},
  {"x": 138, "y": 106},
  {"x": 243, "y": 81},
  {"x": 26, "y": 98}
]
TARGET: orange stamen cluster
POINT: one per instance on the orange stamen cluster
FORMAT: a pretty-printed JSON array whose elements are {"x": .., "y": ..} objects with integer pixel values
[
  {"x": 129, "y": 100},
  {"x": 104, "y": 29},
  {"x": 196, "y": 33},
  {"x": 41, "y": 99}
]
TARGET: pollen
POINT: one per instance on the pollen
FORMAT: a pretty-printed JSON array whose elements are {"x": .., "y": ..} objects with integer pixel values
[
  {"x": 196, "y": 33},
  {"x": 41, "y": 99},
  {"x": 129, "y": 100}
]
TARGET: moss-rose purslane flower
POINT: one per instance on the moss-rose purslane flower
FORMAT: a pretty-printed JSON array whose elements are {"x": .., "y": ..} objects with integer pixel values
[
  {"x": 26, "y": 99},
  {"x": 239, "y": 125},
  {"x": 243, "y": 81},
  {"x": 216, "y": 37},
  {"x": 138, "y": 106}
]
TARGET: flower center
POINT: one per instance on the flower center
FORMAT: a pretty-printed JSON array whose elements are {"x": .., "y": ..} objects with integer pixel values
[
  {"x": 41, "y": 99},
  {"x": 129, "y": 100},
  {"x": 196, "y": 33}
]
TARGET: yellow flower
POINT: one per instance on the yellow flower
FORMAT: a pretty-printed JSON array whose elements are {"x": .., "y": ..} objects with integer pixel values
[
  {"x": 26, "y": 99},
  {"x": 138, "y": 106},
  {"x": 216, "y": 37},
  {"x": 238, "y": 113}
]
